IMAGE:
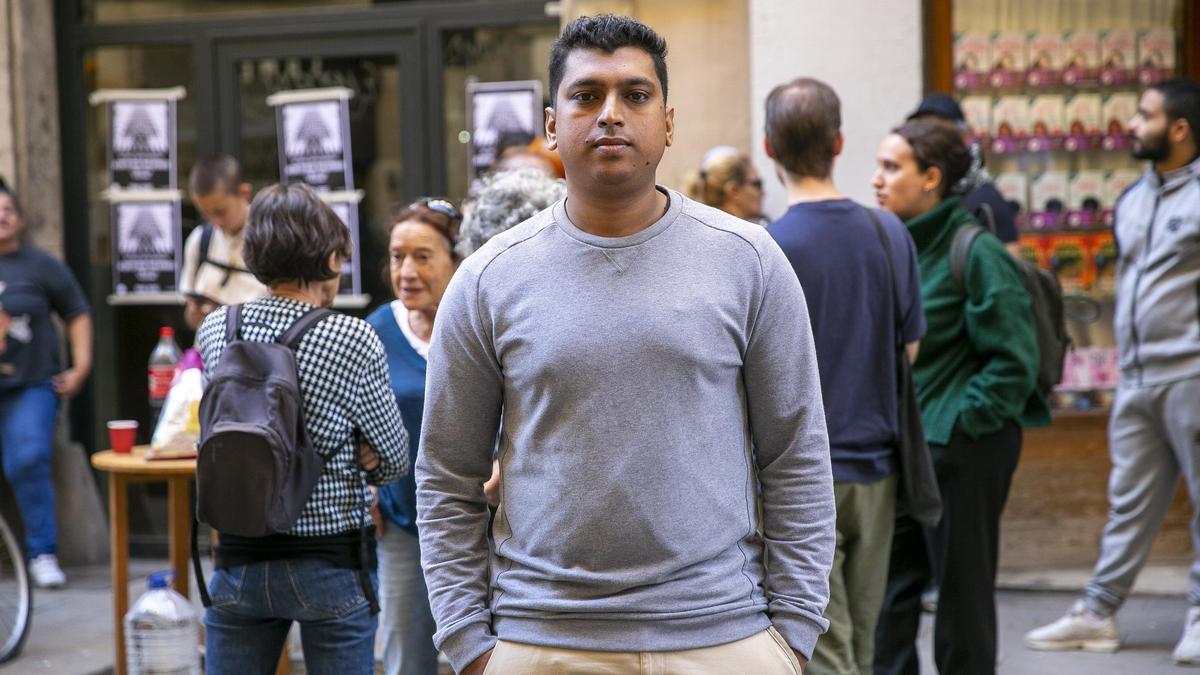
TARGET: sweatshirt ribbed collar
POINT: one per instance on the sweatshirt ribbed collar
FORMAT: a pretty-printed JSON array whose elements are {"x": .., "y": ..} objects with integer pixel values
[{"x": 674, "y": 208}]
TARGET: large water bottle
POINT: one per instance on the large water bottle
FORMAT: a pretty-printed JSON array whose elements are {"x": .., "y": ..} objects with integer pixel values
[{"x": 162, "y": 632}]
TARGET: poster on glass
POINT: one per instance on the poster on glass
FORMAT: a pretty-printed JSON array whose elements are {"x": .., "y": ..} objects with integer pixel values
[
  {"x": 495, "y": 109},
  {"x": 313, "y": 126},
  {"x": 146, "y": 245}
]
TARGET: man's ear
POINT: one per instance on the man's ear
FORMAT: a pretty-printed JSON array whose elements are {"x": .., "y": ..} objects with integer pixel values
[
  {"x": 551, "y": 130},
  {"x": 670, "y": 126},
  {"x": 838, "y": 144},
  {"x": 770, "y": 149},
  {"x": 244, "y": 191}
]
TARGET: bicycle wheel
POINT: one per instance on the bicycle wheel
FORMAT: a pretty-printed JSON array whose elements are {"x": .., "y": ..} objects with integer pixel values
[{"x": 16, "y": 595}]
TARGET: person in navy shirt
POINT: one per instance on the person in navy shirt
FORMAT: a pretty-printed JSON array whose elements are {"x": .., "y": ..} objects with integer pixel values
[
  {"x": 421, "y": 260},
  {"x": 836, "y": 250},
  {"x": 33, "y": 287}
]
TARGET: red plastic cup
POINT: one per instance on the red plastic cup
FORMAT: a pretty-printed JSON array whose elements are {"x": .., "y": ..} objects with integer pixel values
[{"x": 121, "y": 434}]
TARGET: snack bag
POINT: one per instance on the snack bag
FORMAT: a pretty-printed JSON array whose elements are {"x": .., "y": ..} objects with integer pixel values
[{"x": 178, "y": 427}]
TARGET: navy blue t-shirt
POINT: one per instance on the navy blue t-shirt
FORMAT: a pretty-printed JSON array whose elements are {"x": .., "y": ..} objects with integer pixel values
[
  {"x": 33, "y": 284},
  {"x": 843, "y": 269}
]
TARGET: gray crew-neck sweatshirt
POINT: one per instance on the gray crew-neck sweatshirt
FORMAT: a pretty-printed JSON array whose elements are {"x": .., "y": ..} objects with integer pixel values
[{"x": 646, "y": 389}]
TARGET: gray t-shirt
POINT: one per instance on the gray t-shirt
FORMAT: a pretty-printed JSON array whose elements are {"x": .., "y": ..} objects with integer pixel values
[{"x": 650, "y": 387}]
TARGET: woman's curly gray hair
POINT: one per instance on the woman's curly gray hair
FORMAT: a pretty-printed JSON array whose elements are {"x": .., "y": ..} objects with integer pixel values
[{"x": 507, "y": 198}]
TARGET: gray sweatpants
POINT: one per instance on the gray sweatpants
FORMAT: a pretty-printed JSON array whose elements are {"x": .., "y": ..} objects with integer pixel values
[{"x": 1154, "y": 437}]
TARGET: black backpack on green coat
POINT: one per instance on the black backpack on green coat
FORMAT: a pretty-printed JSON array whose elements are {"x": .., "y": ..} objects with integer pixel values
[{"x": 1045, "y": 303}]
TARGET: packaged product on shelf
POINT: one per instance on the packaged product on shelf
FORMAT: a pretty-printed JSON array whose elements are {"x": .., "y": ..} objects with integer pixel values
[
  {"x": 1156, "y": 55},
  {"x": 1008, "y": 59},
  {"x": 1046, "y": 51},
  {"x": 1070, "y": 261},
  {"x": 1118, "y": 109},
  {"x": 1081, "y": 61},
  {"x": 1115, "y": 185},
  {"x": 978, "y": 111},
  {"x": 1082, "y": 122},
  {"x": 1102, "y": 248},
  {"x": 1047, "y": 200},
  {"x": 1085, "y": 195},
  {"x": 1010, "y": 123},
  {"x": 1104, "y": 373},
  {"x": 972, "y": 58},
  {"x": 1117, "y": 56},
  {"x": 1046, "y": 115},
  {"x": 1077, "y": 373},
  {"x": 1014, "y": 187},
  {"x": 1033, "y": 248}
]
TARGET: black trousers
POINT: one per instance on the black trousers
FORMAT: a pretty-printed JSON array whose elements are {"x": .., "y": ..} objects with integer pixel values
[{"x": 959, "y": 555}]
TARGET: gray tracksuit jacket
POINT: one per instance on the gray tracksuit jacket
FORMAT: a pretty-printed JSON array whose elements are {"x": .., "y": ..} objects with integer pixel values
[{"x": 1157, "y": 318}]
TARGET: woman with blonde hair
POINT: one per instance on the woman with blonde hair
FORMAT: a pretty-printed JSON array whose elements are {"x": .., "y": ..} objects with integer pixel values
[{"x": 728, "y": 181}]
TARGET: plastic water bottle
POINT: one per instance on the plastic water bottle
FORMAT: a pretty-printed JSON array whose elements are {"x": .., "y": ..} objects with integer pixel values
[
  {"x": 162, "y": 632},
  {"x": 161, "y": 370}
]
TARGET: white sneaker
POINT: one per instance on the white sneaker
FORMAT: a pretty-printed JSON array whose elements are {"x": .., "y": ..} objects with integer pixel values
[
  {"x": 1079, "y": 628},
  {"x": 45, "y": 571},
  {"x": 1188, "y": 649}
]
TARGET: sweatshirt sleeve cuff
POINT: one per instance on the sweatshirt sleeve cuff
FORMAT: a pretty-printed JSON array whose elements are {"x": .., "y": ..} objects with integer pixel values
[
  {"x": 800, "y": 633},
  {"x": 468, "y": 644}
]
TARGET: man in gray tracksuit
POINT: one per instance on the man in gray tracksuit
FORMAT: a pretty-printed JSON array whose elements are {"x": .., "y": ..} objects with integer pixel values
[{"x": 1154, "y": 430}]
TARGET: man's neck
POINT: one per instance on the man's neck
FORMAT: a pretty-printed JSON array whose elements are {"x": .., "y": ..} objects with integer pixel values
[
  {"x": 10, "y": 246},
  {"x": 808, "y": 189},
  {"x": 615, "y": 213}
]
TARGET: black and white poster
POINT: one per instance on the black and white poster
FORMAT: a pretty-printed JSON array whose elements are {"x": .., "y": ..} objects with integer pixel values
[
  {"x": 146, "y": 241},
  {"x": 494, "y": 108},
  {"x": 141, "y": 147},
  {"x": 347, "y": 211},
  {"x": 313, "y": 127}
]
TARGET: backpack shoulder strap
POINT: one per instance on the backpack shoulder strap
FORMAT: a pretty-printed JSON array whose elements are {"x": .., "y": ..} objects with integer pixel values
[
  {"x": 987, "y": 217},
  {"x": 887, "y": 252},
  {"x": 960, "y": 250},
  {"x": 233, "y": 322},
  {"x": 292, "y": 336},
  {"x": 206, "y": 236}
]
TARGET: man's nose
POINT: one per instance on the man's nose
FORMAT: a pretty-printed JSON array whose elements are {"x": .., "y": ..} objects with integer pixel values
[{"x": 610, "y": 113}]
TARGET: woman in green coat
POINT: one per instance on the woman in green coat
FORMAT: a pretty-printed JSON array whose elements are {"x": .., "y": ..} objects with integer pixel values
[{"x": 975, "y": 377}]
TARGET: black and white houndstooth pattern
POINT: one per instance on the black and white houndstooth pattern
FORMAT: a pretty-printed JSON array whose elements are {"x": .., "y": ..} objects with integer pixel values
[{"x": 345, "y": 386}]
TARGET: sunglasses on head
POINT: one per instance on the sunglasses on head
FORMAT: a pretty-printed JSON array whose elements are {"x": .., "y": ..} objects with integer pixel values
[{"x": 438, "y": 205}]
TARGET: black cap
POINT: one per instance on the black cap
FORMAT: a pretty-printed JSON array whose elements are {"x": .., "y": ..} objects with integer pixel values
[{"x": 941, "y": 105}]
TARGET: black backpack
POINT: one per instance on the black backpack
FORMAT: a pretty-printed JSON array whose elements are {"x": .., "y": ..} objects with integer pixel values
[
  {"x": 255, "y": 466},
  {"x": 1045, "y": 302}
]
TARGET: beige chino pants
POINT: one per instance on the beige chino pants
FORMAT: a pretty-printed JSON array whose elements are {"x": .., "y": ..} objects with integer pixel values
[{"x": 765, "y": 653}]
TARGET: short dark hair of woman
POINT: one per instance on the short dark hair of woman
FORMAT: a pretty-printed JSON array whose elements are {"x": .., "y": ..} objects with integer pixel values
[
  {"x": 938, "y": 143},
  {"x": 439, "y": 214},
  {"x": 290, "y": 235},
  {"x": 606, "y": 33}
]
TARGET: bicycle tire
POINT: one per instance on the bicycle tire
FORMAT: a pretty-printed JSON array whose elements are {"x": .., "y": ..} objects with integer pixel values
[{"x": 12, "y": 562}]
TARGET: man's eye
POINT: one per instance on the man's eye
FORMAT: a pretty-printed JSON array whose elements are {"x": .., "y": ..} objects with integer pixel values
[
  {"x": 639, "y": 97},
  {"x": 584, "y": 97}
]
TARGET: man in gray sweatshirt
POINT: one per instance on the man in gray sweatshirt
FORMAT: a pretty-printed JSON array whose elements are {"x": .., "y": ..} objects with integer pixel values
[
  {"x": 648, "y": 366},
  {"x": 1154, "y": 430}
]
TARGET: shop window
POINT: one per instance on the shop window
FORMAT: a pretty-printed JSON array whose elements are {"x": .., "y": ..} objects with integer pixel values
[
  {"x": 485, "y": 55},
  {"x": 1048, "y": 88}
]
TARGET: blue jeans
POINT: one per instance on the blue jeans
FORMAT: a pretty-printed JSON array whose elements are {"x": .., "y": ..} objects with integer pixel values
[
  {"x": 27, "y": 418},
  {"x": 253, "y": 607},
  {"x": 406, "y": 621}
]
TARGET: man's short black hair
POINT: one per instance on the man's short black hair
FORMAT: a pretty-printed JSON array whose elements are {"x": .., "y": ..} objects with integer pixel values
[
  {"x": 1181, "y": 100},
  {"x": 607, "y": 33},
  {"x": 290, "y": 235},
  {"x": 6, "y": 190}
]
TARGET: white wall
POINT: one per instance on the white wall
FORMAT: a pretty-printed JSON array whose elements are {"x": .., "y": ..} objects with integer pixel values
[{"x": 869, "y": 51}]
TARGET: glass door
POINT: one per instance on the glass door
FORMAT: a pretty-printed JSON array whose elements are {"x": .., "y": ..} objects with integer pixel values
[{"x": 387, "y": 146}]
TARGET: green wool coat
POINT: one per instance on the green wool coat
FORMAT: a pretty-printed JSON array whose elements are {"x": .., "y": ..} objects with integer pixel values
[{"x": 977, "y": 367}]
